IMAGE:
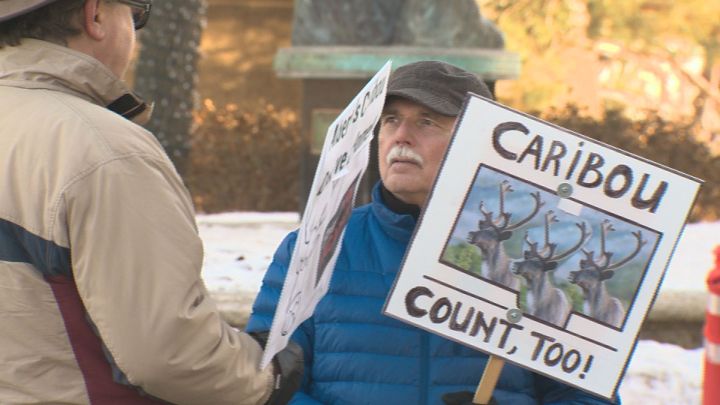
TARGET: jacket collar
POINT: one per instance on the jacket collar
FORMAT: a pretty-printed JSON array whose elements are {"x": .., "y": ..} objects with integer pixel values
[
  {"x": 399, "y": 226},
  {"x": 43, "y": 65},
  {"x": 397, "y": 205}
]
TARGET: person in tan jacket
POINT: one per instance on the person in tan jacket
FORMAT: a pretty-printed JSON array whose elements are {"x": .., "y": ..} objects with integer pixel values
[{"x": 101, "y": 299}]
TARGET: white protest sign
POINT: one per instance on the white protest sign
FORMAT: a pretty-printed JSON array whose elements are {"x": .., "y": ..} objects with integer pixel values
[
  {"x": 542, "y": 247},
  {"x": 343, "y": 161}
]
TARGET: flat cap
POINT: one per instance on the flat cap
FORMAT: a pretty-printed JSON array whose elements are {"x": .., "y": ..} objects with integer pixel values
[{"x": 436, "y": 85}]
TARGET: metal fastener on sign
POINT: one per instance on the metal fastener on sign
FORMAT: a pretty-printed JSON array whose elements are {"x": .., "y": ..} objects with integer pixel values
[
  {"x": 514, "y": 315},
  {"x": 564, "y": 190}
]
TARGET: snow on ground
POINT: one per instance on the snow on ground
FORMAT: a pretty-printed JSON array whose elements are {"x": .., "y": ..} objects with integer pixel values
[
  {"x": 693, "y": 257},
  {"x": 661, "y": 373},
  {"x": 239, "y": 247}
]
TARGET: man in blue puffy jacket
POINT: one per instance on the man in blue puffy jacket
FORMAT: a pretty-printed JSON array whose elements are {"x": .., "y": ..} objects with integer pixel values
[{"x": 353, "y": 353}]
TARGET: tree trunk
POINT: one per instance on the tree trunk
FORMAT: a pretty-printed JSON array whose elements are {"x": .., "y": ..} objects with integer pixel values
[{"x": 166, "y": 72}]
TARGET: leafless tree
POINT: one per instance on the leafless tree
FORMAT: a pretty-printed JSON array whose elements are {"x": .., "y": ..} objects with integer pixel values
[{"x": 166, "y": 72}]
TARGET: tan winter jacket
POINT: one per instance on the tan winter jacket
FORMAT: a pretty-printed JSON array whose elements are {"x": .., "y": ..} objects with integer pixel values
[{"x": 101, "y": 299}]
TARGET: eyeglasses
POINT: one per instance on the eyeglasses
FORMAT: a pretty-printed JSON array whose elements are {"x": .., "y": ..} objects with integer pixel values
[{"x": 140, "y": 11}]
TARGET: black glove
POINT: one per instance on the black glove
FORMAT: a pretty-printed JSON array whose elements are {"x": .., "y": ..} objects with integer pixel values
[
  {"x": 462, "y": 398},
  {"x": 287, "y": 367}
]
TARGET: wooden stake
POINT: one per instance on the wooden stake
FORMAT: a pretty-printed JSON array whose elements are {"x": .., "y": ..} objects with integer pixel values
[{"x": 489, "y": 379}]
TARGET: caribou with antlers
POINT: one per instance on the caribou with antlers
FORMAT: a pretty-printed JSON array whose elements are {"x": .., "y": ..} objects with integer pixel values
[
  {"x": 593, "y": 273},
  {"x": 493, "y": 231},
  {"x": 544, "y": 299}
]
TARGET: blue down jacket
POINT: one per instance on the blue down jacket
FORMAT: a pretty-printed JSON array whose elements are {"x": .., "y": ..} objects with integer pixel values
[{"x": 356, "y": 355}]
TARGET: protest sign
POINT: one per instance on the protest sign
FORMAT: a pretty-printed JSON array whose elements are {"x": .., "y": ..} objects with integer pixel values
[
  {"x": 343, "y": 161},
  {"x": 541, "y": 246}
]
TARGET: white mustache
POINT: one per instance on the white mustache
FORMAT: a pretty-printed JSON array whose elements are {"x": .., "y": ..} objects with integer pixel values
[{"x": 403, "y": 152}]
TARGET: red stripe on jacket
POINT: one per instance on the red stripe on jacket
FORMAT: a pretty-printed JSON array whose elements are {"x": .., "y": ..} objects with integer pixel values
[{"x": 87, "y": 346}]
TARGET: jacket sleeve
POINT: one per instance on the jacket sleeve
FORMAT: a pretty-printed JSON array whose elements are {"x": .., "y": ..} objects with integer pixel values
[
  {"x": 264, "y": 310},
  {"x": 136, "y": 258},
  {"x": 553, "y": 392}
]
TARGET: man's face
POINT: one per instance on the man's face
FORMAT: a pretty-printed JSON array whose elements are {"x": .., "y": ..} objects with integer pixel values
[
  {"x": 411, "y": 145},
  {"x": 120, "y": 36}
]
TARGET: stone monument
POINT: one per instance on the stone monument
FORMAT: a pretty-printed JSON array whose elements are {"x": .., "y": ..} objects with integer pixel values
[
  {"x": 429, "y": 23},
  {"x": 338, "y": 45}
]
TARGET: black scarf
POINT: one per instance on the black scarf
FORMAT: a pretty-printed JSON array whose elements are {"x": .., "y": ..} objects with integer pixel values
[{"x": 396, "y": 205}]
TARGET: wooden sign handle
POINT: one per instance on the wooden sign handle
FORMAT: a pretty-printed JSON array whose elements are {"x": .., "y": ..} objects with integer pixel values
[{"x": 489, "y": 379}]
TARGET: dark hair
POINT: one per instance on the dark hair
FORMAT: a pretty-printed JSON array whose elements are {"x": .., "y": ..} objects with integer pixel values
[{"x": 55, "y": 22}]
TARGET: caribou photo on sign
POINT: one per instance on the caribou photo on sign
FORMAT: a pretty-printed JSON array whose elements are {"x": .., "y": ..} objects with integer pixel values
[
  {"x": 541, "y": 246},
  {"x": 513, "y": 234}
]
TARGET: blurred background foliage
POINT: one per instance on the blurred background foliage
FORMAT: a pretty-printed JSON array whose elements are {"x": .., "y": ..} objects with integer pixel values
[
  {"x": 642, "y": 75},
  {"x": 672, "y": 143},
  {"x": 243, "y": 159}
]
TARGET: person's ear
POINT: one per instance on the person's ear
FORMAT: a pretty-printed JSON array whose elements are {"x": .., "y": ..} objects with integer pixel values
[{"x": 93, "y": 19}]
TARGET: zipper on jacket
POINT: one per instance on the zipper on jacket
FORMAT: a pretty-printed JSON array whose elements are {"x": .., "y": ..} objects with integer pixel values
[{"x": 424, "y": 367}]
